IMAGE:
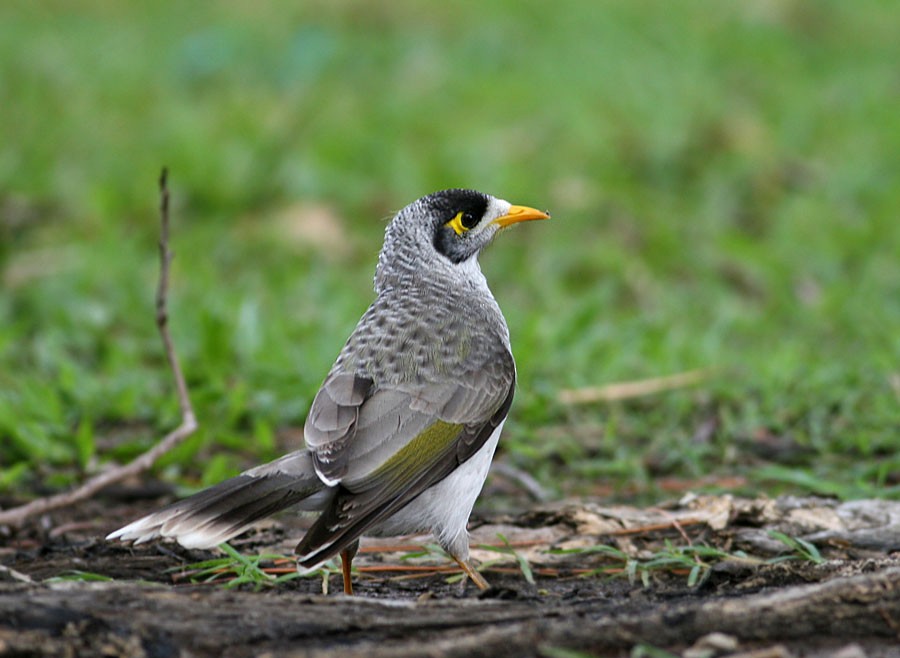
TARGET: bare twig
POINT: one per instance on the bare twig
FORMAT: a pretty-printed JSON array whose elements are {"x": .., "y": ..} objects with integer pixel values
[
  {"x": 18, "y": 515},
  {"x": 10, "y": 574},
  {"x": 522, "y": 480},
  {"x": 633, "y": 389},
  {"x": 654, "y": 527}
]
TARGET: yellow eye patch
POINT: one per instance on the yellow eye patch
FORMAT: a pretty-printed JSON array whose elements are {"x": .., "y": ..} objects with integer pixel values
[
  {"x": 464, "y": 221},
  {"x": 456, "y": 224}
]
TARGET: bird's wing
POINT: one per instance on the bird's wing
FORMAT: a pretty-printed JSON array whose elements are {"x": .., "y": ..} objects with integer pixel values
[
  {"x": 333, "y": 422},
  {"x": 394, "y": 443},
  {"x": 355, "y": 425},
  {"x": 426, "y": 459}
]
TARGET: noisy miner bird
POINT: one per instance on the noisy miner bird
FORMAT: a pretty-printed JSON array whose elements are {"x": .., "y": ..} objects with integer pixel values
[{"x": 401, "y": 434}]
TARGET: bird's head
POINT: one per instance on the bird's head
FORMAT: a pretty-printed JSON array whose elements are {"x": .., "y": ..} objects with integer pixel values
[{"x": 449, "y": 228}]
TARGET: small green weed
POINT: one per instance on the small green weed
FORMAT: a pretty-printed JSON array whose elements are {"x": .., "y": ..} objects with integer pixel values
[
  {"x": 696, "y": 561},
  {"x": 649, "y": 651},
  {"x": 74, "y": 575},
  {"x": 801, "y": 549},
  {"x": 236, "y": 569},
  {"x": 507, "y": 549}
]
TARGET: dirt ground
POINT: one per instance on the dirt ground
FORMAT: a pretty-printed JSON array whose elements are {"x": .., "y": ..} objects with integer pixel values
[{"x": 755, "y": 599}]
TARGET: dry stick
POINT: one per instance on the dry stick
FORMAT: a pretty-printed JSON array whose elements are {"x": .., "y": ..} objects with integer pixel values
[
  {"x": 523, "y": 480},
  {"x": 653, "y": 527},
  {"x": 633, "y": 389},
  {"x": 18, "y": 515}
]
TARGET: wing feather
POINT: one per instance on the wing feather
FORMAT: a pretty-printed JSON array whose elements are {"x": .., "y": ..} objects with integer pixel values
[{"x": 425, "y": 460}]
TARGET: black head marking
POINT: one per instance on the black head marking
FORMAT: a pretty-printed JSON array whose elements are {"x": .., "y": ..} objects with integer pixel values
[{"x": 444, "y": 207}]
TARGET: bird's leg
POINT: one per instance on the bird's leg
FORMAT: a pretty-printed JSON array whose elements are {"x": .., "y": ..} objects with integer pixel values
[
  {"x": 470, "y": 571},
  {"x": 346, "y": 562},
  {"x": 347, "y": 556}
]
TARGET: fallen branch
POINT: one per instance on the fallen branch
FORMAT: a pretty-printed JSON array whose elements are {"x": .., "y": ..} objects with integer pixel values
[
  {"x": 98, "y": 619},
  {"x": 19, "y": 515},
  {"x": 632, "y": 389}
]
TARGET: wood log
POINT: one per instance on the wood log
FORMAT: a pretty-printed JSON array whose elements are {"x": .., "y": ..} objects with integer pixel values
[{"x": 121, "y": 619}]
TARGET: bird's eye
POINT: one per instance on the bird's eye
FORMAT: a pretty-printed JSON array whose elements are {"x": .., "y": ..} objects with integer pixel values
[{"x": 464, "y": 221}]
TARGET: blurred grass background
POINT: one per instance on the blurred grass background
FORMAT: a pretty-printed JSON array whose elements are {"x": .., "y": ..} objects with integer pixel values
[{"x": 723, "y": 179}]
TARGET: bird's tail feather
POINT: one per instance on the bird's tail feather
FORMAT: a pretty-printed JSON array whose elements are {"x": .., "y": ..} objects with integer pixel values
[{"x": 214, "y": 515}]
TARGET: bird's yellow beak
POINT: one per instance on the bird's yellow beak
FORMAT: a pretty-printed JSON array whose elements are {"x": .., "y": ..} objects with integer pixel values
[{"x": 520, "y": 214}]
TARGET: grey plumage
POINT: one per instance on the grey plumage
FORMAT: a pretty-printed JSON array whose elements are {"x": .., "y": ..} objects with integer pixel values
[
  {"x": 214, "y": 515},
  {"x": 401, "y": 433}
]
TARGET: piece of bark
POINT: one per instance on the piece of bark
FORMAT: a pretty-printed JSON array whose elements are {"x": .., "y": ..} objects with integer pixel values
[{"x": 108, "y": 619}]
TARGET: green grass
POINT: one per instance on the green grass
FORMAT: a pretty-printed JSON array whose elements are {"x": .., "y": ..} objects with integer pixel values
[
  {"x": 695, "y": 560},
  {"x": 723, "y": 179},
  {"x": 236, "y": 569}
]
